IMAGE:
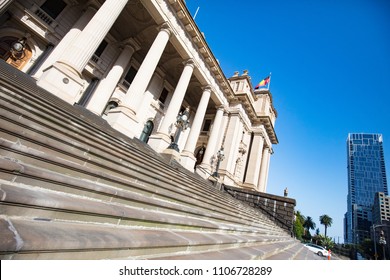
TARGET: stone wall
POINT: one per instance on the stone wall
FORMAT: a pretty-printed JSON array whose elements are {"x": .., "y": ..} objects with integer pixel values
[{"x": 278, "y": 208}]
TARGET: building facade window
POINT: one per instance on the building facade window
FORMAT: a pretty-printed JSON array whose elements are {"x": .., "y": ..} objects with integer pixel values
[
  {"x": 206, "y": 125},
  {"x": 129, "y": 77},
  {"x": 53, "y": 8},
  {"x": 163, "y": 96},
  {"x": 99, "y": 51},
  {"x": 366, "y": 177}
]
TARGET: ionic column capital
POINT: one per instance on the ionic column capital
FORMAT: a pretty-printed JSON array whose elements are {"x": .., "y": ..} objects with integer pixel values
[
  {"x": 207, "y": 88},
  {"x": 189, "y": 62},
  {"x": 165, "y": 27},
  {"x": 132, "y": 43}
]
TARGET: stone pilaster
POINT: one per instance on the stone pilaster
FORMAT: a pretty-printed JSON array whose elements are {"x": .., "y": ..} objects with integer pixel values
[
  {"x": 231, "y": 147},
  {"x": 255, "y": 159},
  {"x": 263, "y": 178}
]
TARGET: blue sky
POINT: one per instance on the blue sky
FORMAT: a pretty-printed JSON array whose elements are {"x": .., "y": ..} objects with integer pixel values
[{"x": 330, "y": 64}]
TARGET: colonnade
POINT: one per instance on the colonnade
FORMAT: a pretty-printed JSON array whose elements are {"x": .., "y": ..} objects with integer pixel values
[{"x": 66, "y": 63}]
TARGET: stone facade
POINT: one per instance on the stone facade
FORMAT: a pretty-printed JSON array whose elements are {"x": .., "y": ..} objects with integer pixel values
[{"x": 137, "y": 64}]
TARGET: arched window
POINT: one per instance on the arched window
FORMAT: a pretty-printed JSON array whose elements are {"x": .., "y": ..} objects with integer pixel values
[
  {"x": 199, "y": 155},
  {"x": 147, "y": 131}
]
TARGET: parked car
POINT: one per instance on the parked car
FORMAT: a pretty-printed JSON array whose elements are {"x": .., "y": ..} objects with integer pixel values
[{"x": 321, "y": 251}]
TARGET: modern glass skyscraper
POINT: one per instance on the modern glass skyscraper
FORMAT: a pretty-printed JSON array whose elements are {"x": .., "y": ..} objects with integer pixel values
[{"x": 366, "y": 177}]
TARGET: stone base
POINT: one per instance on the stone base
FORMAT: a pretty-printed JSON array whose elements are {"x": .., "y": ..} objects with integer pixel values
[
  {"x": 249, "y": 186},
  {"x": 62, "y": 81},
  {"x": 216, "y": 182},
  {"x": 188, "y": 160},
  {"x": 171, "y": 154},
  {"x": 124, "y": 120},
  {"x": 159, "y": 142},
  {"x": 203, "y": 171}
]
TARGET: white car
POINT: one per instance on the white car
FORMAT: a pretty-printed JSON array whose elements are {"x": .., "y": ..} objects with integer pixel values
[{"x": 321, "y": 251}]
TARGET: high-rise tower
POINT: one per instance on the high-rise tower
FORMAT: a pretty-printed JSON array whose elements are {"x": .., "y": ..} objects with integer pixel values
[{"x": 366, "y": 177}]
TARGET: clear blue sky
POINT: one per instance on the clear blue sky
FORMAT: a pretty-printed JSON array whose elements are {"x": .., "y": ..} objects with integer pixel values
[{"x": 330, "y": 64}]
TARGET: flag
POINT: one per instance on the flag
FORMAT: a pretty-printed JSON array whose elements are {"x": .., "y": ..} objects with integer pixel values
[{"x": 263, "y": 83}]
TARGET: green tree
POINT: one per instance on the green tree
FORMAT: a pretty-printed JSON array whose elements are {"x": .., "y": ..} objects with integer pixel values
[
  {"x": 325, "y": 241},
  {"x": 300, "y": 217},
  {"x": 298, "y": 225},
  {"x": 308, "y": 225},
  {"x": 326, "y": 221}
]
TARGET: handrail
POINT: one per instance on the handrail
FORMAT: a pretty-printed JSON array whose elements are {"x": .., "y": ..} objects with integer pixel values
[
  {"x": 205, "y": 170},
  {"x": 274, "y": 215}
]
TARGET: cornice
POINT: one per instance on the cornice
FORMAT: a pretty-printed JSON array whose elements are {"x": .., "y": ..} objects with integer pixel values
[{"x": 199, "y": 41}]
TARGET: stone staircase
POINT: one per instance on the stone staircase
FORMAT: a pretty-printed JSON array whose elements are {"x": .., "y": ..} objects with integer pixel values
[{"x": 71, "y": 187}]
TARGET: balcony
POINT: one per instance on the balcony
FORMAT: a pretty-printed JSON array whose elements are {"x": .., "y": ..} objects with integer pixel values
[{"x": 38, "y": 20}]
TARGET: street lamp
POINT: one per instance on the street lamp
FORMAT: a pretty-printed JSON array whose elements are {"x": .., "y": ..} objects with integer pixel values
[
  {"x": 382, "y": 241},
  {"x": 182, "y": 122},
  {"x": 17, "y": 49},
  {"x": 220, "y": 157}
]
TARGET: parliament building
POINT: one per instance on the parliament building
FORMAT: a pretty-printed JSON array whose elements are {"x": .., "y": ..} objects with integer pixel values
[{"x": 146, "y": 69}]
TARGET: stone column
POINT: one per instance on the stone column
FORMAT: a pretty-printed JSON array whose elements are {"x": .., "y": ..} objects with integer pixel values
[
  {"x": 123, "y": 118},
  {"x": 213, "y": 139},
  {"x": 144, "y": 74},
  {"x": 263, "y": 178},
  {"x": 107, "y": 85},
  {"x": 62, "y": 46},
  {"x": 4, "y": 5},
  {"x": 64, "y": 78},
  {"x": 162, "y": 140},
  {"x": 187, "y": 157},
  {"x": 85, "y": 45},
  {"x": 255, "y": 159}
]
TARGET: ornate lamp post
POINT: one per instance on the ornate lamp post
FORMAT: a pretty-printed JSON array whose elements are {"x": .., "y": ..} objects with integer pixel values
[
  {"x": 182, "y": 122},
  {"x": 220, "y": 157},
  {"x": 382, "y": 241},
  {"x": 17, "y": 49}
]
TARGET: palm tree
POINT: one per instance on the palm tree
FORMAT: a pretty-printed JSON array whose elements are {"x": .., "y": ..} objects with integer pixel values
[
  {"x": 309, "y": 224},
  {"x": 300, "y": 217},
  {"x": 326, "y": 221}
]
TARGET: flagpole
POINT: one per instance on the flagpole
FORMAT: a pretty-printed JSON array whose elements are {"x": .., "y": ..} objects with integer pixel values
[
  {"x": 269, "y": 80},
  {"x": 197, "y": 10}
]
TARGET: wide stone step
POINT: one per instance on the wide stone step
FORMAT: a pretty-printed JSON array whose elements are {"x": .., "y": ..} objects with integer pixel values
[
  {"x": 48, "y": 204},
  {"x": 69, "y": 149},
  {"x": 72, "y": 187},
  {"x": 19, "y": 172},
  {"x": 45, "y": 238},
  {"x": 263, "y": 251},
  {"x": 28, "y": 143}
]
